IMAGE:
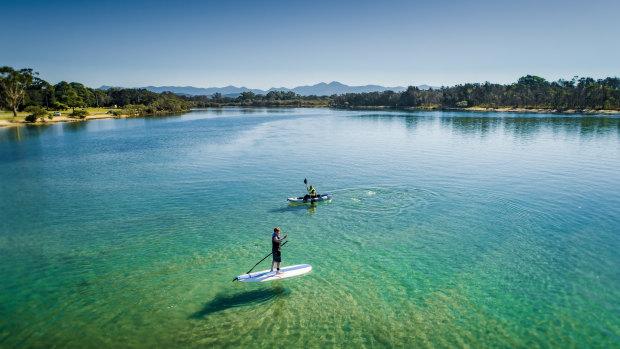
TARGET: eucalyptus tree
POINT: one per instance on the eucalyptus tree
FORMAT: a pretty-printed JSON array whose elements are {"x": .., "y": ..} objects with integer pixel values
[{"x": 13, "y": 85}]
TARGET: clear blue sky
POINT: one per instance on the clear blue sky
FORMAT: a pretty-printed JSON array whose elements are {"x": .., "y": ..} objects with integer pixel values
[{"x": 262, "y": 44}]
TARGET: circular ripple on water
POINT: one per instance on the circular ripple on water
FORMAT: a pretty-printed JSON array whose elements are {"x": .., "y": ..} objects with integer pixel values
[{"x": 384, "y": 200}]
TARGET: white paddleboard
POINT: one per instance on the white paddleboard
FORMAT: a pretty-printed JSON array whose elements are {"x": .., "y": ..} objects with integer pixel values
[{"x": 267, "y": 275}]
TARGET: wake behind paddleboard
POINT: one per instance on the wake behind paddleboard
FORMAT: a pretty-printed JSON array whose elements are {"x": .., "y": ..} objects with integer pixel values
[{"x": 267, "y": 275}]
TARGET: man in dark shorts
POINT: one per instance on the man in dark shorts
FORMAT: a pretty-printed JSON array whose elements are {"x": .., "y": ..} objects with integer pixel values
[{"x": 276, "y": 241}]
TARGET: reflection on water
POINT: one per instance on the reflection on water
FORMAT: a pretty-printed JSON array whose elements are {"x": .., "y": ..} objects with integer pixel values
[
  {"x": 244, "y": 110},
  {"x": 512, "y": 124},
  {"x": 75, "y": 126},
  {"x": 528, "y": 126},
  {"x": 482, "y": 124},
  {"x": 20, "y": 133},
  {"x": 472, "y": 125}
]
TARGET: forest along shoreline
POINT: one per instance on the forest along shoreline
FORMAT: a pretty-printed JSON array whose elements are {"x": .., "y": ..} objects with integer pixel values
[
  {"x": 601, "y": 112},
  {"x": 31, "y": 100}
]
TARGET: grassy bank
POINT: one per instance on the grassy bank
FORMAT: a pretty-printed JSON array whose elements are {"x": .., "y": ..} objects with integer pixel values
[{"x": 8, "y": 115}]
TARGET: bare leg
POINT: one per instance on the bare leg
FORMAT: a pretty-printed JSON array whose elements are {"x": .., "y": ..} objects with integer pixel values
[
  {"x": 272, "y": 263},
  {"x": 278, "y": 272}
]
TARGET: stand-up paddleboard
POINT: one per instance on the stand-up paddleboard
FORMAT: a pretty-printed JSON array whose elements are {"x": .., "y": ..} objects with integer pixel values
[
  {"x": 267, "y": 275},
  {"x": 323, "y": 197}
]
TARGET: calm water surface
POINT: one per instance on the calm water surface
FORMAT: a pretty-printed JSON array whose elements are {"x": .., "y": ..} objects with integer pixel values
[{"x": 446, "y": 229}]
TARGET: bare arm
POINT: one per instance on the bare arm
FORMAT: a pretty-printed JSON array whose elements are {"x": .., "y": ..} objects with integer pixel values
[{"x": 278, "y": 240}]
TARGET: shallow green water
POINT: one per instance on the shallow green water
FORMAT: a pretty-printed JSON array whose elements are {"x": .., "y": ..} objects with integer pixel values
[{"x": 446, "y": 229}]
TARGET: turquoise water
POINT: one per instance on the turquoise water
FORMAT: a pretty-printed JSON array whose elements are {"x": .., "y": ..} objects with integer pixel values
[{"x": 446, "y": 229}]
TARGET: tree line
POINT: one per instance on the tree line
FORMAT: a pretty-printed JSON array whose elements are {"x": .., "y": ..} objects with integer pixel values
[
  {"x": 271, "y": 99},
  {"x": 528, "y": 92},
  {"x": 22, "y": 89}
]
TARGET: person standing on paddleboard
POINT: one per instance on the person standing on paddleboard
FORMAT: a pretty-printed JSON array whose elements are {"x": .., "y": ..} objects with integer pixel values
[{"x": 276, "y": 241}]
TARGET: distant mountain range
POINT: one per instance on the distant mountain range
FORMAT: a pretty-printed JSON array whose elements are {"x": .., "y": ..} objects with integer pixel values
[{"x": 321, "y": 89}]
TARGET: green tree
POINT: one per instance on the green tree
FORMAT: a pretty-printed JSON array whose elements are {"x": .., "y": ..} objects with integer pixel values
[
  {"x": 60, "y": 89},
  {"x": 13, "y": 85},
  {"x": 47, "y": 92},
  {"x": 59, "y": 106},
  {"x": 40, "y": 93},
  {"x": 101, "y": 98},
  {"x": 87, "y": 96},
  {"x": 72, "y": 99}
]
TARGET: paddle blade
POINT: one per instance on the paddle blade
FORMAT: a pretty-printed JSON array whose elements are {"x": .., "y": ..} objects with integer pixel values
[{"x": 305, "y": 181}]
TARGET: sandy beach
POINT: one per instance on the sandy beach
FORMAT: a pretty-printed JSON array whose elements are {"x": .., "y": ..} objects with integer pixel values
[{"x": 56, "y": 119}]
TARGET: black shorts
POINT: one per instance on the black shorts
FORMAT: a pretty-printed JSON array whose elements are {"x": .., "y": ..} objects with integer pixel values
[{"x": 277, "y": 256}]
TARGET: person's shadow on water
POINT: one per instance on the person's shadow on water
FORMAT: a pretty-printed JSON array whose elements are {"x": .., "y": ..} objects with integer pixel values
[{"x": 227, "y": 301}]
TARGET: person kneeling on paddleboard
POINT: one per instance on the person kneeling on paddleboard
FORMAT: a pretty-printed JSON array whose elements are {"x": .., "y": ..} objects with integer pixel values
[{"x": 276, "y": 241}]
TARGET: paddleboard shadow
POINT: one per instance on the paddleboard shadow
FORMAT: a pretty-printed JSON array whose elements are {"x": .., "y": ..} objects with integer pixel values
[{"x": 241, "y": 299}]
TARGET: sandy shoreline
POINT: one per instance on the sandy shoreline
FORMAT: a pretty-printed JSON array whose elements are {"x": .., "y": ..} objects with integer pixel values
[
  {"x": 57, "y": 119},
  {"x": 602, "y": 112},
  {"x": 548, "y": 111}
]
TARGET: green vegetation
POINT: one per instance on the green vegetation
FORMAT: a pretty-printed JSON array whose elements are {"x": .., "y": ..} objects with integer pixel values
[
  {"x": 80, "y": 113},
  {"x": 35, "y": 113},
  {"x": 530, "y": 92},
  {"x": 13, "y": 85},
  {"x": 271, "y": 99},
  {"x": 21, "y": 89}
]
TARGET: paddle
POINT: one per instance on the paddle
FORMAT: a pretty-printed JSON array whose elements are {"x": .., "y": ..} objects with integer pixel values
[
  {"x": 307, "y": 189},
  {"x": 235, "y": 279},
  {"x": 312, "y": 199}
]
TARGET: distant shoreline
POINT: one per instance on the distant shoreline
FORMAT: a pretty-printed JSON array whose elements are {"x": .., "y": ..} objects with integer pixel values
[
  {"x": 550, "y": 111},
  {"x": 602, "y": 112},
  {"x": 61, "y": 119}
]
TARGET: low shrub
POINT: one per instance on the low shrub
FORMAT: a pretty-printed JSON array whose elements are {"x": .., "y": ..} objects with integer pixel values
[
  {"x": 35, "y": 113},
  {"x": 80, "y": 113}
]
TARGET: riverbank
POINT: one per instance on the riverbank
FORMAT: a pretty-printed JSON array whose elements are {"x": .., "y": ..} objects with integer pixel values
[
  {"x": 501, "y": 110},
  {"x": 545, "y": 111},
  {"x": 7, "y": 119},
  {"x": 57, "y": 119},
  {"x": 19, "y": 121}
]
